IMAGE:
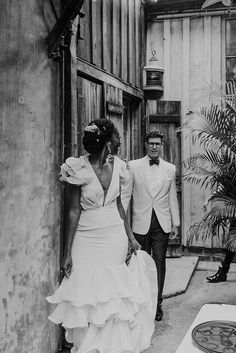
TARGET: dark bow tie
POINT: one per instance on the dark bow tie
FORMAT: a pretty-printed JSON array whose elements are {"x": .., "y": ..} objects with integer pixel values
[{"x": 154, "y": 161}]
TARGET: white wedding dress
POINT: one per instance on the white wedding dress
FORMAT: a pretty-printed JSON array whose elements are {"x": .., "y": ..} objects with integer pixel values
[{"x": 105, "y": 305}]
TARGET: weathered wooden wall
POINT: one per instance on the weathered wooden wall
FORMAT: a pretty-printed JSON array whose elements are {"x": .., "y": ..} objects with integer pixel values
[
  {"x": 192, "y": 52},
  {"x": 108, "y": 60},
  {"x": 112, "y": 34},
  {"x": 29, "y": 187}
]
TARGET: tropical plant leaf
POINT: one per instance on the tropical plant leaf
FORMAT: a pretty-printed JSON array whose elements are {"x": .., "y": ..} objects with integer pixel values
[
  {"x": 209, "y": 3},
  {"x": 213, "y": 129}
]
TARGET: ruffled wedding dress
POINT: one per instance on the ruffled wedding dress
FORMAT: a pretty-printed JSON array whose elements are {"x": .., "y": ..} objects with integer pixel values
[{"x": 105, "y": 305}]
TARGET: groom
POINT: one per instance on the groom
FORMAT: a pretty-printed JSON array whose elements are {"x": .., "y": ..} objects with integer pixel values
[{"x": 155, "y": 214}]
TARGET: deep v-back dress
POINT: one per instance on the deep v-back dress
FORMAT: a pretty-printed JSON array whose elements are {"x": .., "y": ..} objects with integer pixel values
[{"x": 105, "y": 305}]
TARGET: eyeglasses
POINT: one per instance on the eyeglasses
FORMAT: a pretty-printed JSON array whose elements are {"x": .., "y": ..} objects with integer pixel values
[{"x": 152, "y": 144}]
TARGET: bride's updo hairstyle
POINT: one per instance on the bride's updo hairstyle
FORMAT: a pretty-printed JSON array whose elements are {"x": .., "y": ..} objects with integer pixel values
[{"x": 97, "y": 134}]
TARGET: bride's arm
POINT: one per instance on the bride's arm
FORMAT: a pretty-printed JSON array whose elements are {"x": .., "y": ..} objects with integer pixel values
[
  {"x": 73, "y": 216},
  {"x": 135, "y": 245}
]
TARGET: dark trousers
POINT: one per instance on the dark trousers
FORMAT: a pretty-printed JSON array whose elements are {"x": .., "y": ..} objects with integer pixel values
[
  {"x": 229, "y": 254},
  {"x": 227, "y": 260},
  {"x": 155, "y": 243}
]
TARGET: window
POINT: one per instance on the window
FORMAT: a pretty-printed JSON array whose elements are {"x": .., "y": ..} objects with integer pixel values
[{"x": 231, "y": 50}]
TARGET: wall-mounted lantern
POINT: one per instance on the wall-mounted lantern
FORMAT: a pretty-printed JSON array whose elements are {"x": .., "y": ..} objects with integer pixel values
[{"x": 153, "y": 78}]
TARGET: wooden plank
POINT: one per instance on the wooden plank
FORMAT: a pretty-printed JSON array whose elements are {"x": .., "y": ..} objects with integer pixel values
[
  {"x": 88, "y": 35},
  {"x": 163, "y": 6},
  {"x": 93, "y": 30},
  {"x": 75, "y": 118},
  {"x": 138, "y": 131},
  {"x": 124, "y": 45},
  {"x": 216, "y": 64},
  {"x": 197, "y": 83},
  {"x": 133, "y": 67},
  {"x": 127, "y": 119},
  {"x": 116, "y": 34},
  {"x": 90, "y": 70},
  {"x": 216, "y": 59},
  {"x": 137, "y": 41},
  {"x": 106, "y": 35},
  {"x": 207, "y": 54},
  {"x": 80, "y": 112},
  {"x": 114, "y": 96},
  {"x": 167, "y": 55},
  {"x": 199, "y": 91},
  {"x": 115, "y": 108},
  {"x": 143, "y": 40},
  {"x": 84, "y": 44},
  {"x": 130, "y": 42},
  {"x": 96, "y": 33},
  {"x": 70, "y": 11},
  {"x": 168, "y": 108},
  {"x": 114, "y": 37},
  {"x": 223, "y": 51},
  {"x": 185, "y": 140},
  {"x": 168, "y": 119},
  {"x": 176, "y": 59}
]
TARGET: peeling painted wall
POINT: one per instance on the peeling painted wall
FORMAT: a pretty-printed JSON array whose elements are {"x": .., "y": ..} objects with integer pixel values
[{"x": 29, "y": 187}]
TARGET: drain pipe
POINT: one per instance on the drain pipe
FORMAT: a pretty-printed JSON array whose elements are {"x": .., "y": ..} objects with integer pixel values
[{"x": 194, "y": 14}]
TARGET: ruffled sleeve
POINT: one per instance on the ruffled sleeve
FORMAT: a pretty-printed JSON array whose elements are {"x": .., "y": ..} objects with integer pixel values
[
  {"x": 124, "y": 173},
  {"x": 75, "y": 171},
  {"x": 126, "y": 184}
]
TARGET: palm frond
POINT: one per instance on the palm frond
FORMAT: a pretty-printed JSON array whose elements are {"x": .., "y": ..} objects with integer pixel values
[
  {"x": 213, "y": 130},
  {"x": 216, "y": 221},
  {"x": 213, "y": 126}
]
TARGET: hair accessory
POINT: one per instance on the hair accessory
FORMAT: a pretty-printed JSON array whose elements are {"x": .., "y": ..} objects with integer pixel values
[{"x": 91, "y": 128}]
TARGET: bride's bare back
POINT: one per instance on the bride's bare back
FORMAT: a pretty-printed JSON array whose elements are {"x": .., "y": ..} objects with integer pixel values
[{"x": 103, "y": 172}]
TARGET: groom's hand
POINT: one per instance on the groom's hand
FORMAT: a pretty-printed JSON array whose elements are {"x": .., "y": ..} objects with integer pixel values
[{"x": 174, "y": 232}]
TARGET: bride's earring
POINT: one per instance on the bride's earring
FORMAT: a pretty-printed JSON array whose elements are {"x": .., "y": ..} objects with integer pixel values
[{"x": 109, "y": 156}]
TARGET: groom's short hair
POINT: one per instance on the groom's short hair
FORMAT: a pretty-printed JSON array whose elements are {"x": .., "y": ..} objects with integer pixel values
[{"x": 153, "y": 134}]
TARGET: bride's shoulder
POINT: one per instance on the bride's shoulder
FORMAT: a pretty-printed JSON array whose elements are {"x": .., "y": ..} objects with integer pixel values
[
  {"x": 76, "y": 162},
  {"x": 75, "y": 170}
]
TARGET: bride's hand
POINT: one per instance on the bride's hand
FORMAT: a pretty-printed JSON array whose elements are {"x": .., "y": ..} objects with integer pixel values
[
  {"x": 134, "y": 246},
  {"x": 66, "y": 265}
]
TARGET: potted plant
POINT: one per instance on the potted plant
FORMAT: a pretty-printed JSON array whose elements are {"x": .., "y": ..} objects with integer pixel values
[{"x": 213, "y": 128}]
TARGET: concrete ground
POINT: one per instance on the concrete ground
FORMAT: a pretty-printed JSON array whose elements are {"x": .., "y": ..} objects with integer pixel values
[{"x": 180, "y": 310}]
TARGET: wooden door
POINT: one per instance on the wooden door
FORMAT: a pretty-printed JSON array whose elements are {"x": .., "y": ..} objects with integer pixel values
[
  {"x": 125, "y": 112},
  {"x": 165, "y": 116},
  {"x": 90, "y": 105}
]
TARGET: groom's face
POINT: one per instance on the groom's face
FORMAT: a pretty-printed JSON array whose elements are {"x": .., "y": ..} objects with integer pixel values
[{"x": 153, "y": 147}]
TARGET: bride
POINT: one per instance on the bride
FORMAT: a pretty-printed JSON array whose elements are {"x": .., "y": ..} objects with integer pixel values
[{"x": 104, "y": 304}]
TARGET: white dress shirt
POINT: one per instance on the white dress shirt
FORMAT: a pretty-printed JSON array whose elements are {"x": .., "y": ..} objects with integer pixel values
[{"x": 154, "y": 177}]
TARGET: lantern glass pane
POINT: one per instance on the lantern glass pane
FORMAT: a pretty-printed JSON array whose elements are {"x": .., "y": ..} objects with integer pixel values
[{"x": 154, "y": 78}]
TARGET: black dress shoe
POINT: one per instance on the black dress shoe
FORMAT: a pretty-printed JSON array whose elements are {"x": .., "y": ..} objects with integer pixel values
[
  {"x": 159, "y": 313},
  {"x": 219, "y": 276}
]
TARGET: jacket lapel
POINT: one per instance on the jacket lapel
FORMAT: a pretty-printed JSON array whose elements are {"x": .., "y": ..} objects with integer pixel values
[
  {"x": 143, "y": 170},
  {"x": 162, "y": 176}
]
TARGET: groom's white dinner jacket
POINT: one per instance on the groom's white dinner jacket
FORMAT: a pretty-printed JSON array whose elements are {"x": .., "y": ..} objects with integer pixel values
[{"x": 153, "y": 189}]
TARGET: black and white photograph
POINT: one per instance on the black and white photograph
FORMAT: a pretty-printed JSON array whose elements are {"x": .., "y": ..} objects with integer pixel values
[{"x": 118, "y": 176}]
